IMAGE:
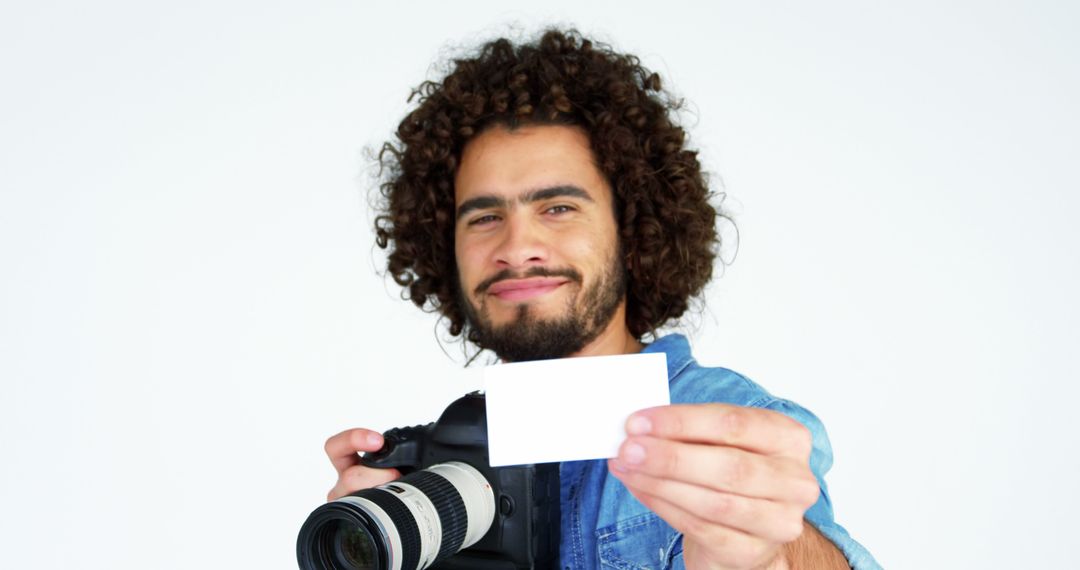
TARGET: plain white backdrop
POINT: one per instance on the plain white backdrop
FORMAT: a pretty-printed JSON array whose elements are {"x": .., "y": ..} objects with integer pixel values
[{"x": 189, "y": 302}]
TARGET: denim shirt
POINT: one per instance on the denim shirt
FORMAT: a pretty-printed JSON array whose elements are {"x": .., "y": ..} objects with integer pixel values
[{"x": 604, "y": 526}]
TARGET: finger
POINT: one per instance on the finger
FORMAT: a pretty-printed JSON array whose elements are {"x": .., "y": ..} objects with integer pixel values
[
  {"x": 726, "y": 547},
  {"x": 359, "y": 477},
  {"x": 719, "y": 468},
  {"x": 342, "y": 448},
  {"x": 752, "y": 429},
  {"x": 769, "y": 520}
]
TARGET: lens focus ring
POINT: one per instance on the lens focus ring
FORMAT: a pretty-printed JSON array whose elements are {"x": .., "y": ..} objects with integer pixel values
[{"x": 449, "y": 506}]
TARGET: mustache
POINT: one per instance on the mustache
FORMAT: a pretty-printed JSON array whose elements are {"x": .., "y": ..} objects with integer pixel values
[{"x": 531, "y": 272}]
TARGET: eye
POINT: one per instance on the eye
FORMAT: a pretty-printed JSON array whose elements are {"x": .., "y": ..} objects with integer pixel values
[
  {"x": 483, "y": 220},
  {"x": 560, "y": 209}
]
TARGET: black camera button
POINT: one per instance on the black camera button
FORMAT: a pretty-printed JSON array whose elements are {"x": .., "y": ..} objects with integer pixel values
[{"x": 506, "y": 505}]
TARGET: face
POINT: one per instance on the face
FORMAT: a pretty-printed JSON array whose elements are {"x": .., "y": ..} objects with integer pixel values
[{"x": 536, "y": 243}]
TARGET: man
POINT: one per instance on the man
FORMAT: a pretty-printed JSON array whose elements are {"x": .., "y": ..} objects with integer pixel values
[{"x": 541, "y": 199}]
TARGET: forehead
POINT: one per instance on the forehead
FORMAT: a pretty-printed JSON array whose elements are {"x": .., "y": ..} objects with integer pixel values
[{"x": 508, "y": 163}]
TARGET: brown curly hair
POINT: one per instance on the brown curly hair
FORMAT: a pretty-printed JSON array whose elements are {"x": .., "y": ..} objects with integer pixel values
[{"x": 666, "y": 221}]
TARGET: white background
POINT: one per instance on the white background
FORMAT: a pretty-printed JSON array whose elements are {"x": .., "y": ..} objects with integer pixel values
[{"x": 189, "y": 304}]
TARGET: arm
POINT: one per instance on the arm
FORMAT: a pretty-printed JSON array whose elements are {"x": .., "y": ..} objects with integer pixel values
[{"x": 810, "y": 550}]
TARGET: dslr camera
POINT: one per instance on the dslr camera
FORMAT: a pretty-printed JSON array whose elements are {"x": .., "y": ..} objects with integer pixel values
[{"x": 450, "y": 510}]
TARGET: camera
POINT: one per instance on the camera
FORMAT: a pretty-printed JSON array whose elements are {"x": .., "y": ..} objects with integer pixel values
[{"x": 450, "y": 510}]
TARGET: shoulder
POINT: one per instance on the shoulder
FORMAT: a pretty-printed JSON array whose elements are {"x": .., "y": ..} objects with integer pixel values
[
  {"x": 696, "y": 384},
  {"x": 691, "y": 383}
]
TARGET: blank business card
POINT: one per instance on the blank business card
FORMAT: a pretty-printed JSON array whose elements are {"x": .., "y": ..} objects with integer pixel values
[{"x": 568, "y": 409}]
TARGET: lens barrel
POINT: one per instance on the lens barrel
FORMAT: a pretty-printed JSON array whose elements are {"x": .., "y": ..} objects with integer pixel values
[{"x": 407, "y": 524}]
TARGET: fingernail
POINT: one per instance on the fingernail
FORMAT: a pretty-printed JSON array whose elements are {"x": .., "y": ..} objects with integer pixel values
[
  {"x": 633, "y": 453},
  {"x": 638, "y": 425},
  {"x": 374, "y": 439}
]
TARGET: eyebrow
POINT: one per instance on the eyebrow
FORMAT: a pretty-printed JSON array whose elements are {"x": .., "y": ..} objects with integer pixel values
[{"x": 489, "y": 201}]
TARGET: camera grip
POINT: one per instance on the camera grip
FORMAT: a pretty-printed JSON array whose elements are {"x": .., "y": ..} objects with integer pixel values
[{"x": 401, "y": 449}]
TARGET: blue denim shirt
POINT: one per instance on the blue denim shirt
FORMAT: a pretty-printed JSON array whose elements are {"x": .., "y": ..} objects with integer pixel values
[{"x": 604, "y": 526}]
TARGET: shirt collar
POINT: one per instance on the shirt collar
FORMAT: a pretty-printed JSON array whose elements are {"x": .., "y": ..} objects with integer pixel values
[{"x": 677, "y": 349}]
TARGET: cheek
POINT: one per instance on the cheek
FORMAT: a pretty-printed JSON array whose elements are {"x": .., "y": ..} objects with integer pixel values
[
  {"x": 467, "y": 257},
  {"x": 593, "y": 246}
]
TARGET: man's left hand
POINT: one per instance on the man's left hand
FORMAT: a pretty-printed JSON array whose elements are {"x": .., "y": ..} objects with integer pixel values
[{"x": 735, "y": 481}]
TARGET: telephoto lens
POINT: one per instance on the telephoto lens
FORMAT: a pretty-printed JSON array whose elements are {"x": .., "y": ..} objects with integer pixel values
[{"x": 408, "y": 524}]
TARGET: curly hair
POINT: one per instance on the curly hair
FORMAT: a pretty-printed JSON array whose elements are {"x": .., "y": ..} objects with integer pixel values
[{"x": 666, "y": 221}]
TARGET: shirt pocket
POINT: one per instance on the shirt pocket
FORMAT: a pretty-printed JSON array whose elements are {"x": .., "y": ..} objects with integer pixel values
[{"x": 643, "y": 542}]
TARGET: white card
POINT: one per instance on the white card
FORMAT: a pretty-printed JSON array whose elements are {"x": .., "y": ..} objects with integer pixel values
[{"x": 568, "y": 409}]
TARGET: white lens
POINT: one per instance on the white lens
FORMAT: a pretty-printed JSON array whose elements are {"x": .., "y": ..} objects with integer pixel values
[
  {"x": 476, "y": 493},
  {"x": 407, "y": 524}
]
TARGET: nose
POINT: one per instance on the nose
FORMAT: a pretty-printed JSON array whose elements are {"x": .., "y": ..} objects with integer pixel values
[{"x": 522, "y": 244}]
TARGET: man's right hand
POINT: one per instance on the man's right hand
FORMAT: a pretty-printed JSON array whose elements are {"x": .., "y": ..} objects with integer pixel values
[{"x": 344, "y": 450}]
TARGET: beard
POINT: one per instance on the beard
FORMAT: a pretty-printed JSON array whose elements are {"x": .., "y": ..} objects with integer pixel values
[{"x": 530, "y": 337}]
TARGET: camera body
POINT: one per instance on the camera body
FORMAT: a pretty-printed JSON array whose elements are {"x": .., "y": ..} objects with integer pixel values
[{"x": 524, "y": 533}]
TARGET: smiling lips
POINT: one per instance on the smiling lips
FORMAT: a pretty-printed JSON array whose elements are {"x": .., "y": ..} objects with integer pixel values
[{"x": 523, "y": 289}]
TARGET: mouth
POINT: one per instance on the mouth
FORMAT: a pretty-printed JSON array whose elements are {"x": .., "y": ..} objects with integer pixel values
[{"x": 525, "y": 289}]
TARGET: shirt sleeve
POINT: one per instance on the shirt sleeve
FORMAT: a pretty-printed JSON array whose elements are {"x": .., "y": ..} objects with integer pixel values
[{"x": 821, "y": 458}]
